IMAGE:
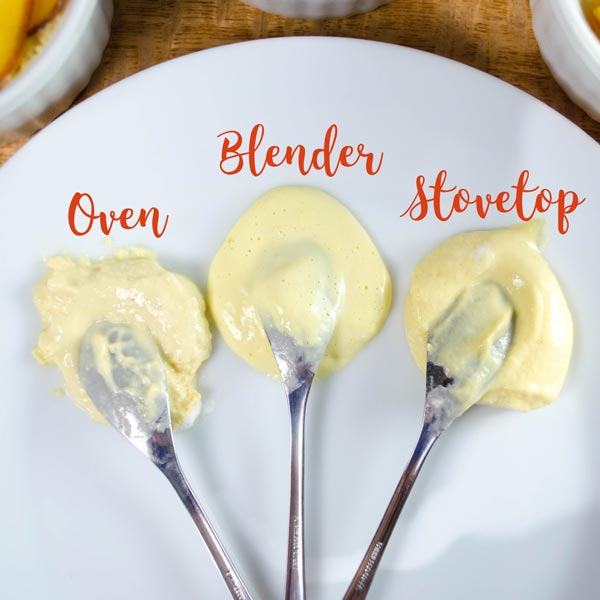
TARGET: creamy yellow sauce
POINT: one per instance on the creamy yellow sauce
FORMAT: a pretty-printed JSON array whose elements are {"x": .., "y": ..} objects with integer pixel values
[
  {"x": 536, "y": 364},
  {"x": 131, "y": 288},
  {"x": 299, "y": 259}
]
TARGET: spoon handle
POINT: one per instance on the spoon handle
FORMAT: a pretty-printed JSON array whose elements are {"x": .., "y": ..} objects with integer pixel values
[
  {"x": 174, "y": 474},
  {"x": 359, "y": 587},
  {"x": 294, "y": 584}
]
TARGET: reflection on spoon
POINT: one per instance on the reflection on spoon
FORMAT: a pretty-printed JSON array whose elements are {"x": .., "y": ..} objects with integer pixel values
[
  {"x": 122, "y": 371},
  {"x": 465, "y": 350}
]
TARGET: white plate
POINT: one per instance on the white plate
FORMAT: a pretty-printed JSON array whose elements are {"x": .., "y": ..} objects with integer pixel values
[{"x": 507, "y": 504}]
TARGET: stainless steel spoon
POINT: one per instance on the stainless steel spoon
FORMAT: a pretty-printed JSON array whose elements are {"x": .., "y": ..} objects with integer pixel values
[
  {"x": 297, "y": 365},
  {"x": 452, "y": 387},
  {"x": 122, "y": 372},
  {"x": 297, "y": 296}
]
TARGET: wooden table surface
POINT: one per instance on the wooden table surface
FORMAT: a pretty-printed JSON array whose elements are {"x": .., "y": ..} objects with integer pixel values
[{"x": 494, "y": 36}]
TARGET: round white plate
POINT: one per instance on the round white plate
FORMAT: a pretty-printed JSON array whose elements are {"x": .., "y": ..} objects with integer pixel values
[{"x": 507, "y": 505}]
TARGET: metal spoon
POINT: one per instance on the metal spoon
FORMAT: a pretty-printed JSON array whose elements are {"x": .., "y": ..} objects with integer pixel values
[
  {"x": 449, "y": 393},
  {"x": 297, "y": 296},
  {"x": 297, "y": 365},
  {"x": 122, "y": 371}
]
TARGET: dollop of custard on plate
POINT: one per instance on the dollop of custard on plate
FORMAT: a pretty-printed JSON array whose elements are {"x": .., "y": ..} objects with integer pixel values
[
  {"x": 130, "y": 287},
  {"x": 300, "y": 256},
  {"x": 538, "y": 358}
]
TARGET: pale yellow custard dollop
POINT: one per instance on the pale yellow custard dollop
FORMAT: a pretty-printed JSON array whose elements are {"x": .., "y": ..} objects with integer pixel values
[
  {"x": 130, "y": 287},
  {"x": 535, "y": 367},
  {"x": 300, "y": 256}
]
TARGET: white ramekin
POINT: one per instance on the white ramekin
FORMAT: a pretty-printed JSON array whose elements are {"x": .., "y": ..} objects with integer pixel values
[
  {"x": 316, "y": 9},
  {"x": 63, "y": 68},
  {"x": 571, "y": 50}
]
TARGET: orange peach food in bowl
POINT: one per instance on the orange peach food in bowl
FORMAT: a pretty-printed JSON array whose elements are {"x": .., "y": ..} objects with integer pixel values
[
  {"x": 592, "y": 11},
  {"x": 48, "y": 51},
  {"x": 24, "y": 25},
  {"x": 568, "y": 34}
]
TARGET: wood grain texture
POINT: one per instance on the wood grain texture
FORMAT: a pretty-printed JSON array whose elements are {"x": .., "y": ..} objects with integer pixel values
[{"x": 494, "y": 36}]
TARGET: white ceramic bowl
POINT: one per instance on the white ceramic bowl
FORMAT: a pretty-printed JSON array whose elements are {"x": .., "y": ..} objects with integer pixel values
[
  {"x": 571, "y": 50},
  {"x": 316, "y": 9},
  {"x": 63, "y": 68}
]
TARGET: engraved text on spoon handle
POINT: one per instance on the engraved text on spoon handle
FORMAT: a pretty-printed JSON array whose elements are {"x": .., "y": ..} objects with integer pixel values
[
  {"x": 232, "y": 579},
  {"x": 294, "y": 585},
  {"x": 359, "y": 587}
]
